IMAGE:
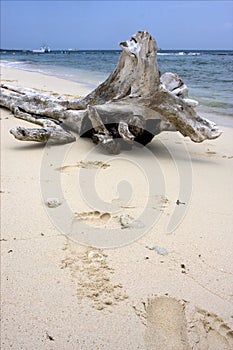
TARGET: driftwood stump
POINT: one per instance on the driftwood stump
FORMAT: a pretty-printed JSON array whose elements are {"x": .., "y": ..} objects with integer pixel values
[{"x": 132, "y": 105}]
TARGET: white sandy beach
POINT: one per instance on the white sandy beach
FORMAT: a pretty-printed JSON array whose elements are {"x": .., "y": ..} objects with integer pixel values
[{"x": 60, "y": 294}]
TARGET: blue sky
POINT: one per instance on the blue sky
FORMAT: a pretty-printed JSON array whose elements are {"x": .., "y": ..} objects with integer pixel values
[{"x": 103, "y": 24}]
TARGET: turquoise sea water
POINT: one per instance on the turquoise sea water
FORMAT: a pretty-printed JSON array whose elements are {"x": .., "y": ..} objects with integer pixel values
[{"x": 208, "y": 74}]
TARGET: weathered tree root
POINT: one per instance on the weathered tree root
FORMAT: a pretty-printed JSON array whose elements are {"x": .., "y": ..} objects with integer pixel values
[{"x": 134, "y": 103}]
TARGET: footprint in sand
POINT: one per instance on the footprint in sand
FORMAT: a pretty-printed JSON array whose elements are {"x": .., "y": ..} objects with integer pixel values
[
  {"x": 95, "y": 217},
  {"x": 85, "y": 165},
  {"x": 209, "y": 332},
  {"x": 176, "y": 325},
  {"x": 210, "y": 153},
  {"x": 91, "y": 276},
  {"x": 166, "y": 325},
  {"x": 228, "y": 157}
]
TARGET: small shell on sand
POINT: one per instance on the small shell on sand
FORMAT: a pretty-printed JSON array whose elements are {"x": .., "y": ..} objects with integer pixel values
[
  {"x": 159, "y": 250},
  {"x": 53, "y": 202}
]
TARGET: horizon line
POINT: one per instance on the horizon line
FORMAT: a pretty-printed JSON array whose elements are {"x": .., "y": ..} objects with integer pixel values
[{"x": 159, "y": 49}]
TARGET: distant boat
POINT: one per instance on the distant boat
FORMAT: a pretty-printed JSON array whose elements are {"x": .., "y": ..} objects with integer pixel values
[{"x": 43, "y": 49}]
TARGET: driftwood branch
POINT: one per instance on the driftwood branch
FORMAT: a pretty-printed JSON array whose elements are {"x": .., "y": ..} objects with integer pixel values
[{"x": 134, "y": 103}]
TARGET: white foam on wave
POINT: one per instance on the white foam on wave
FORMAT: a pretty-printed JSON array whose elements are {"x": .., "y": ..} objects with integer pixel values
[
  {"x": 11, "y": 64},
  {"x": 181, "y": 53},
  {"x": 194, "y": 54}
]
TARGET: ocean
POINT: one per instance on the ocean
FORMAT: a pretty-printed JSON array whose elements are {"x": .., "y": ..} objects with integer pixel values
[{"x": 208, "y": 74}]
